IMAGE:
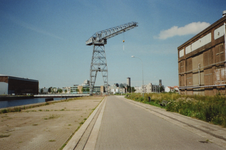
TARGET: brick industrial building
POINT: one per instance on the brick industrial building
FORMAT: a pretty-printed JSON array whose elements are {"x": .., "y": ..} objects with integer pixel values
[
  {"x": 18, "y": 86},
  {"x": 202, "y": 63}
]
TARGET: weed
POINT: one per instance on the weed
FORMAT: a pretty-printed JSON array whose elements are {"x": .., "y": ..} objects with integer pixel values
[
  {"x": 207, "y": 108},
  {"x": 35, "y": 124},
  {"x": 52, "y": 140},
  {"x": 4, "y": 135},
  {"x": 51, "y": 117},
  {"x": 17, "y": 109},
  {"x": 4, "y": 111}
]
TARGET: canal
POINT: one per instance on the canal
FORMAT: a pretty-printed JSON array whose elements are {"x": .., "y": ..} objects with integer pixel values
[{"x": 18, "y": 102}]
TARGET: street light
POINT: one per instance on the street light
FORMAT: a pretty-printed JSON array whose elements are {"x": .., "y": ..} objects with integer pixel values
[{"x": 142, "y": 75}]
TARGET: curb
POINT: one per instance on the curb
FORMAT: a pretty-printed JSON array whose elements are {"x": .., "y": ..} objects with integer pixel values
[
  {"x": 91, "y": 143},
  {"x": 78, "y": 135},
  {"x": 212, "y": 133}
]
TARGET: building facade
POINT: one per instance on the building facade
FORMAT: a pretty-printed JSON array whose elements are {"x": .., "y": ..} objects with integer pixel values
[
  {"x": 18, "y": 86},
  {"x": 201, "y": 62},
  {"x": 151, "y": 88}
]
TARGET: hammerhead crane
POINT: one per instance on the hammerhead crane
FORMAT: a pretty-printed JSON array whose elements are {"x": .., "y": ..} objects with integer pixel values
[{"x": 99, "y": 61}]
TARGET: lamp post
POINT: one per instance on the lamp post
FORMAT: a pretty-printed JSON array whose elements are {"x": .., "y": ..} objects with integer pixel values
[{"x": 142, "y": 75}]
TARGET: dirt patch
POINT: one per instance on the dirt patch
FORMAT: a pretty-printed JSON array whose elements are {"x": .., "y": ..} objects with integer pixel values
[{"x": 44, "y": 127}]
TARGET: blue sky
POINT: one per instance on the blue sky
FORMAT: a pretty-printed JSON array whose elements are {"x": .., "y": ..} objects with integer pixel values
[{"x": 45, "y": 39}]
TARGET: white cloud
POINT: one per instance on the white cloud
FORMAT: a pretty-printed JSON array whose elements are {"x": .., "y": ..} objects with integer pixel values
[{"x": 192, "y": 28}]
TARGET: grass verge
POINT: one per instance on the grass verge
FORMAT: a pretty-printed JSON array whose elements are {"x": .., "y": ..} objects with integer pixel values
[{"x": 207, "y": 108}]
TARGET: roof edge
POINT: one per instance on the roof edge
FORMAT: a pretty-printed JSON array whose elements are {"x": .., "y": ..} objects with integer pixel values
[{"x": 202, "y": 32}]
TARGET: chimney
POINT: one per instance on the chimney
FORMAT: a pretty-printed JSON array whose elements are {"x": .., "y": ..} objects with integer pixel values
[
  {"x": 128, "y": 81},
  {"x": 224, "y": 13}
]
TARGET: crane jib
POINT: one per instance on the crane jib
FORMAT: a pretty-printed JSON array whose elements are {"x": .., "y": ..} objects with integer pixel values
[{"x": 102, "y": 36}]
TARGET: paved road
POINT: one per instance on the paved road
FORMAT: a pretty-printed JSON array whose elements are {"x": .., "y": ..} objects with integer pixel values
[{"x": 126, "y": 126}]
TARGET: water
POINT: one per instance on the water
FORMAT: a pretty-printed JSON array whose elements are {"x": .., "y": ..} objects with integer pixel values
[{"x": 18, "y": 102}]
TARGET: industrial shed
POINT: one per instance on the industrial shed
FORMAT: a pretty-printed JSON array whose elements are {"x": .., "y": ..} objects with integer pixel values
[
  {"x": 202, "y": 63},
  {"x": 18, "y": 86}
]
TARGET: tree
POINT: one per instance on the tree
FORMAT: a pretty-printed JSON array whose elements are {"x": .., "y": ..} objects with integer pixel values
[
  {"x": 133, "y": 89},
  {"x": 116, "y": 84},
  {"x": 162, "y": 89},
  {"x": 121, "y": 86},
  {"x": 83, "y": 89},
  {"x": 59, "y": 91},
  {"x": 41, "y": 90},
  {"x": 130, "y": 88}
]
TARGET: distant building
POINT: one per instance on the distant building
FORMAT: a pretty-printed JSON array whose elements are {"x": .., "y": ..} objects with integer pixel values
[
  {"x": 150, "y": 88},
  {"x": 114, "y": 89},
  {"x": 202, "y": 62},
  {"x": 66, "y": 89},
  {"x": 171, "y": 89},
  {"x": 98, "y": 90},
  {"x": 84, "y": 88},
  {"x": 85, "y": 83},
  {"x": 18, "y": 86},
  {"x": 43, "y": 90},
  {"x": 74, "y": 89},
  {"x": 138, "y": 89}
]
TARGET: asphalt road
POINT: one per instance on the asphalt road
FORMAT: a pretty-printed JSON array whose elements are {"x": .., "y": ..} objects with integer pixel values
[{"x": 126, "y": 126}]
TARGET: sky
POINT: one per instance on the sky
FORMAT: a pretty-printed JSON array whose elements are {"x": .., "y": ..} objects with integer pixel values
[{"x": 45, "y": 39}]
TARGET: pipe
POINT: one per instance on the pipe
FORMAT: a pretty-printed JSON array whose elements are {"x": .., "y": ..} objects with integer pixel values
[{"x": 199, "y": 74}]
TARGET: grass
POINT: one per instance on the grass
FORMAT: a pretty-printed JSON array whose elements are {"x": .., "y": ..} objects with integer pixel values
[
  {"x": 51, "y": 117},
  {"x": 4, "y": 135},
  {"x": 52, "y": 140},
  {"x": 207, "y": 108}
]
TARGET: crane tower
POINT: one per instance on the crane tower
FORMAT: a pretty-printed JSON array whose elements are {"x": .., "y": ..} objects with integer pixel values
[{"x": 99, "y": 61}]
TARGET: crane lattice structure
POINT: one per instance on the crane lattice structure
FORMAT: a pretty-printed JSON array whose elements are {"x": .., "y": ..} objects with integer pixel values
[{"x": 99, "y": 61}]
